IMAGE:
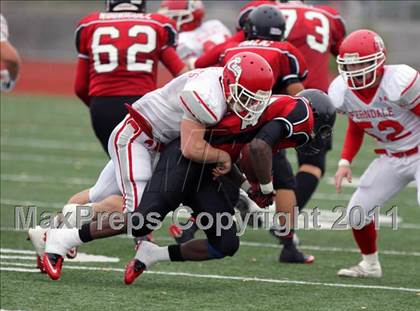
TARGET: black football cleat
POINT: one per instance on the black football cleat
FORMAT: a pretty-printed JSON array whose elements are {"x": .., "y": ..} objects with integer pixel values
[
  {"x": 52, "y": 265},
  {"x": 133, "y": 270},
  {"x": 293, "y": 255}
]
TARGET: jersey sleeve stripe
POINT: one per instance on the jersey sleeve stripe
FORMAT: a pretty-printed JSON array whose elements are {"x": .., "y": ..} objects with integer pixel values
[
  {"x": 186, "y": 107},
  {"x": 411, "y": 84},
  {"x": 415, "y": 100},
  {"x": 80, "y": 55},
  {"x": 205, "y": 106}
]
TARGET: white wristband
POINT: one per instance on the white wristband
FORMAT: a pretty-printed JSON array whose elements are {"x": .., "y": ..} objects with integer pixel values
[
  {"x": 267, "y": 188},
  {"x": 343, "y": 162},
  {"x": 245, "y": 186}
]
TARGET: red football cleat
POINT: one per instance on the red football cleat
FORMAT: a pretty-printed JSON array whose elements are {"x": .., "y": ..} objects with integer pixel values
[
  {"x": 52, "y": 265},
  {"x": 133, "y": 270},
  {"x": 39, "y": 264}
]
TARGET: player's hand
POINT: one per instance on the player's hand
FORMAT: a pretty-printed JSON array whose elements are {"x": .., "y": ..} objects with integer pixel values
[
  {"x": 6, "y": 84},
  {"x": 223, "y": 165},
  {"x": 261, "y": 199},
  {"x": 342, "y": 172}
]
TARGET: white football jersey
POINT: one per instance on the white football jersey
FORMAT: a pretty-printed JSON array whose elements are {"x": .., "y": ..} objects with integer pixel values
[
  {"x": 4, "y": 30},
  {"x": 193, "y": 43},
  {"x": 387, "y": 117},
  {"x": 196, "y": 95}
]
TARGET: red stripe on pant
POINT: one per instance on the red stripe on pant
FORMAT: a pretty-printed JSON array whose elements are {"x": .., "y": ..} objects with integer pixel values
[
  {"x": 117, "y": 136},
  {"x": 130, "y": 165}
]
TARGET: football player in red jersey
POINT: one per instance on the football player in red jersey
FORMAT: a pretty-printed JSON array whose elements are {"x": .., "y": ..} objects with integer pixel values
[
  {"x": 264, "y": 31},
  {"x": 317, "y": 31},
  {"x": 119, "y": 52}
]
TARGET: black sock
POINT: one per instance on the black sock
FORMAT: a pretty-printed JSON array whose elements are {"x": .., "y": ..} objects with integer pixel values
[
  {"x": 287, "y": 240},
  {"x": 306, "y": 186},
  {"x": 84, "y": 233},
  {"x": 174, "y": 251}
]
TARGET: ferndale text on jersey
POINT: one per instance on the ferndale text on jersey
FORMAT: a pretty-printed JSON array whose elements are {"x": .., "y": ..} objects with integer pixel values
[{"x": 371, "y": 113}]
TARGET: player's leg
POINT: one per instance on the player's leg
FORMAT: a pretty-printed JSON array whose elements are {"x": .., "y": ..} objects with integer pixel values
[
  {"x": 218, "y": 224},
  {"x": 106, "y": 113},
  {"x": 372, "y": 193},
  {"x": 285, "y": 201},
  {"x": 132, "y": 172},
  {"x": 103, "y": 193},
  {"x": 311, "y": 170}
]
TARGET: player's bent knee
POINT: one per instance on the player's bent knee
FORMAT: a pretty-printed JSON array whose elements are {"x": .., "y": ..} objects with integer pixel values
[{"x": 226, "y": 246}]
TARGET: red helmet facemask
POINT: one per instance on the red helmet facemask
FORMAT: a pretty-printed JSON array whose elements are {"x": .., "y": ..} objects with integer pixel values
[
  {"x": 247, "y": 82},
  {"x": 361, "y": 58},
  {"x": 188, "y": 14}
]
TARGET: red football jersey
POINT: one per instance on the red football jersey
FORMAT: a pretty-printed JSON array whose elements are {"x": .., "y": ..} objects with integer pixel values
[
  {"x": 287, "y": 63},
  {"x": 123, "y": 51},
  {"x": 232, "y": 133},
  {"x": 317, "y": 31}
]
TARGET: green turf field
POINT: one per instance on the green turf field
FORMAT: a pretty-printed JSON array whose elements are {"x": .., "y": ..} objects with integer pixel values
[{"x": 48, "y": 152}]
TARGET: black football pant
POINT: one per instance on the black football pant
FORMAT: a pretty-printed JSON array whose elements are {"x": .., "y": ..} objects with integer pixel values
[
  {"x": 106, "y": 112},
  {"x": 178, "y": 180}
]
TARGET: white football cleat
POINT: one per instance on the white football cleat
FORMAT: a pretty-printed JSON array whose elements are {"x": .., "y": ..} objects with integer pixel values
[
  {"x": 37, "y": 237},
  {"x": 59, "y": 241},
  {"x": 362, "y": 270}
]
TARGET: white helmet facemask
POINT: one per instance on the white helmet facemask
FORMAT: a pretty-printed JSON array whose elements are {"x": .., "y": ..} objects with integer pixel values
[{"x": 371, "y": 64}]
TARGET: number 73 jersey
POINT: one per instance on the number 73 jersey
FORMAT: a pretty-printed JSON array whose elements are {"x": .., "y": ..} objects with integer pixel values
[
  {"x": 123, "y": 50},
  {"x": 387, "y": 117}
]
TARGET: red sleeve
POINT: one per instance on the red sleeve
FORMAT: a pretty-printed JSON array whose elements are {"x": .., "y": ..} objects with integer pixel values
[
  {"x": 297, "y": 63},
  {"x": 352, "y": 142},
  {"x": 212, "y": 57},
  {"x": 416, "y": 110},
  {"x": 81, "y": 83},
  {"x": 171, "y": 60}
]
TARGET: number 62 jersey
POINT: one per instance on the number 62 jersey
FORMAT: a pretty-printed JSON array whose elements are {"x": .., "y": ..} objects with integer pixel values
[
  {"x": 123, "y": 51},
  {"x": 392, "y": 116}
]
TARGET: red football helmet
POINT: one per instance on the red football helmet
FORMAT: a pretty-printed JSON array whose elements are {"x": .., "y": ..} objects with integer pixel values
[
  {"x": 188, "y": 14},
  {"x": 247, "y": 82},
  {"x": 361, "y": 57}
]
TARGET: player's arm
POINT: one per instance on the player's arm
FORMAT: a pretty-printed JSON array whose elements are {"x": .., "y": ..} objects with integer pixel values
[
  {"x": 352, "y": 143},
  {"x": 81, "y": 82},
  {"x": 173, "y": 62},
  {"x": 196, "y": 148},
  {"x": 410, "y": 95},
  {"x": 293, "y": 71},
  {"x": 10, "y": 58},
  {"x": 212, "y": 57},
  {"x": 261, "y": 151}
]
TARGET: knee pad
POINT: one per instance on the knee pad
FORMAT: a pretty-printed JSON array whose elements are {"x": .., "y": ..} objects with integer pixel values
[
  {"x": 317, "y": 160},
  {"x": 223, "y": 246}
]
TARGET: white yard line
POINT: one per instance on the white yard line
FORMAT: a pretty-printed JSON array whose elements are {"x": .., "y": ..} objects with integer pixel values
[
  {"x": 9, "y": 267},
  {"x": 51, "y": 144},
  {"x": 36, "y": 158},
  {"x": 48, "y": 180}
]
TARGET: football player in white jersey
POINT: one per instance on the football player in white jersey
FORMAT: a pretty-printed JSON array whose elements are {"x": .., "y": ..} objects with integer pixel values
[
  {"x": 195, "y": 36},
  {"x": 182, "y": 108},
  {"x": 382, "y": 101},
  {"x": 10, "y": 59}
]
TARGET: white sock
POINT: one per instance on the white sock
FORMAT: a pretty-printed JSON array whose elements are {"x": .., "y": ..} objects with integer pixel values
[
  {"x": 371, "y": 259},
  {"x": 149, "y": 253},
  {"x": 60, "y": 240}
]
